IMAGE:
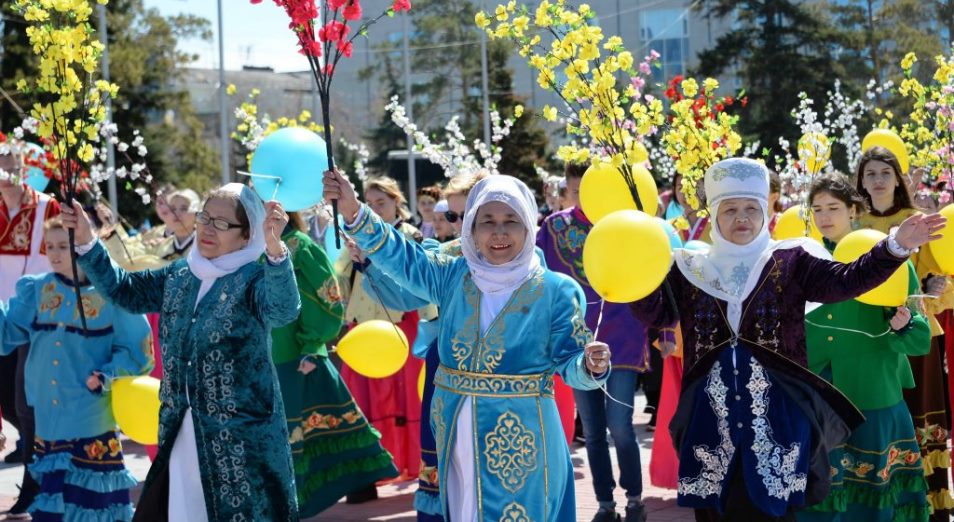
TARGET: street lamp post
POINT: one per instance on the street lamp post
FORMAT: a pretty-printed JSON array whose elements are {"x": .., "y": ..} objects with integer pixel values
[
  {"x": 411, "y": 163},
  {"x": 223, "y": 106},
  {"x": 110, "y": 150}
]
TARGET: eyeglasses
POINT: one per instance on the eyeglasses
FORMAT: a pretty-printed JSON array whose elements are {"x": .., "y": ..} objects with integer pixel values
[
  {"x": 451, "y": 216},
  {"x": 203, "y": 218}
]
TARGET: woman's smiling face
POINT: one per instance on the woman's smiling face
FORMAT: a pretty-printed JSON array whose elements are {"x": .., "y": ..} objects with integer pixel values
[{"x": 498, "y": 232}]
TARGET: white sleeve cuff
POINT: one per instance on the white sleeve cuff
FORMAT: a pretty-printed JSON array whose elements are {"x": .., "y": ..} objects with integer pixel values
[
  {"x": 82, "y": 250},
  {"x": 897, "y": 250},
  {"x": 357, "y": 218},
  {"x": 280, "y": 258}
]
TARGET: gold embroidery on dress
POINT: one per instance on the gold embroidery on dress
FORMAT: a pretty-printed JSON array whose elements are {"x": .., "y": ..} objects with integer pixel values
[
  {"x": 492, "y": 347},
  {"x": 511, "y": 451},
  {"x": 581, "y": 335},
  {"x": 514, "y": 512},
  {"x": 50, "y": 299},
  {"x": 462, "y": 344},
  {"x": 437, "y": 420},
  {"x": 494, "y": 385}
]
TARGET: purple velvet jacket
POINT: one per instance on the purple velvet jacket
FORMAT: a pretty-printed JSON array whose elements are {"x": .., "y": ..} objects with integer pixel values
[
  {"x": 750, "y": 401},
  {"x": 561, "y": 238}
]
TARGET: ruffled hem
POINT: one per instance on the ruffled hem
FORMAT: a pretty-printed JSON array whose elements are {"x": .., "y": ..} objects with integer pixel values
[
  {"x": 72, "y": 513},
  {"x": 333, "y": 445},
  {"x": 877, "y": 498},
  {"x": 97, "y": 481},
  {"x": 377, "y": 467},
  {"x": 935, "y": 459},
  {"x": 427, "y": 502},
  {"x": 940, "y": 500}
]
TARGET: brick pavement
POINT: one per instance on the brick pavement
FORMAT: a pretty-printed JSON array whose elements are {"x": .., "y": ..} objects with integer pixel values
[{"x": 396, "y": 500}]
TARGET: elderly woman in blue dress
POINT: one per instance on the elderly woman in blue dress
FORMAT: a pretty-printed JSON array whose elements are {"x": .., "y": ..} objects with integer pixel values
[
  {"x": 507, "y": 324},
  {"x": 223, "y": 439}
]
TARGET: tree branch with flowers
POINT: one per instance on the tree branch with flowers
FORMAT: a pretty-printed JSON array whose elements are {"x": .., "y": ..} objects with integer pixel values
[
  {"x": 71, "y": 102},
  {"x": 325, "y": 44},
  {"x": 577, "y": 62}
]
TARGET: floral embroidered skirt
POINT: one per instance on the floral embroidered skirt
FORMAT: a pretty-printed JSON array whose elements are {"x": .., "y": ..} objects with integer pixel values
[
  {"x": 334, "y": 449},
  {"x": 878, "y": 474},
  {"x": 82, "y": 479},
  {"x": 929, "y": 409}
]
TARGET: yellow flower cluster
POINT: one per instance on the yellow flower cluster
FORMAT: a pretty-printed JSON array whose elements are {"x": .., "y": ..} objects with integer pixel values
[
  {"x": 73, "y": 104},
  {"x": 574, "y": 59},
  {"x": 698, "y": 135},
  {"x": 929, "y": 132}
]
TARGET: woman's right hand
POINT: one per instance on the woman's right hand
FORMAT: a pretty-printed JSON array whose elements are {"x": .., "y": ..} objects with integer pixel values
[
  {"x": 336, "y": 187},
  {"x": 357, "y": 255},
  {"x": 75, "y": 218}
]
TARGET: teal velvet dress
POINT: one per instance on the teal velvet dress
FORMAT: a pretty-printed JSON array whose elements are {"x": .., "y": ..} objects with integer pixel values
[
  {"x": 522, "y": 468},
  {"x": 217, "y": 360}
]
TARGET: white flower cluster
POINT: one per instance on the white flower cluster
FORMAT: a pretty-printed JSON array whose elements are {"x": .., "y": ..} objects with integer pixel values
[
  {"x": 135, "y": 169},
  {"x": 454, "y": 155},
  {"x": 361, "y": 161},
  {"x": 256, "y": 129}
]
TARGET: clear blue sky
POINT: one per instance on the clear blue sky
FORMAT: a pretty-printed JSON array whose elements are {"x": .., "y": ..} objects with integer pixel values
[{"x": 254, "y": 34}]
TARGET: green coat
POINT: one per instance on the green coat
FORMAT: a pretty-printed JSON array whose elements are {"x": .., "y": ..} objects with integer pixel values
[
  {"x": 217, "y": 358},
  {"x": 322, "y": 308},
  {"x": 869, "y": 371}
]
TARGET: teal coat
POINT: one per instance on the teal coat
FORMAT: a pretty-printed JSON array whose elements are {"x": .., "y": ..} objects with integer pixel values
[
  {"x": 218, "y": 359},
  {"x": 522, "y": 468}
]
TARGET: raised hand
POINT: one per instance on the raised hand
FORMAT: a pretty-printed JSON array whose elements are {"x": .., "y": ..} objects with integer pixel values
[
  {"x": 275, "y": 220},
  {"x": 337, "y": 187},
  {"x": 75, "y": 218},
  {"x": 919, "y": 229},
  {"x": 597, "y": 357}
]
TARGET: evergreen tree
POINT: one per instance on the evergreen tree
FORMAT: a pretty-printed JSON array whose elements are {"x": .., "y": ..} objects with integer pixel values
[{"x": 779, "y": 49}]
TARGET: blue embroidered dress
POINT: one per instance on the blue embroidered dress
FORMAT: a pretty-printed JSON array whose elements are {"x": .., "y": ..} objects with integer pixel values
[
  {"x": 217, "y": 360},
  {"x": 79, "y": 461},
  {"x": 521, "y": 462}
]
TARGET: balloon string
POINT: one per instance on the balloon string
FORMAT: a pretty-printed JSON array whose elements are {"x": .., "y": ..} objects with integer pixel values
[
  {"x": 596, "y": 333},
  {"x": 866, "y": 334}
]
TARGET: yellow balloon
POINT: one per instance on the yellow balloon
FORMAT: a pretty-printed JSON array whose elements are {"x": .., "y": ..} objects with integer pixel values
[
  {"x": 626, "y": 256},
  {"x": 374, "y": 349},
  {"x": 135, "y": 403},
  {"x": 791, "y": 224},
  {"x": 888, "y": 139},
  {"x": 814, "y": 150},
  {"x": 603, "y": 191},
  {"x": 894, "y": 291},
  {"x": 943, "y": 249},
  {"x": 420, "y": 381}
]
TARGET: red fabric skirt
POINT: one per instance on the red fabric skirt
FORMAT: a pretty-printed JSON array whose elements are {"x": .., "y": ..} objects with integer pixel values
[
  {"x": 392, "y": 405},
  {"x": 566, "y": 406},
  {"x": 664, "y": 462}
]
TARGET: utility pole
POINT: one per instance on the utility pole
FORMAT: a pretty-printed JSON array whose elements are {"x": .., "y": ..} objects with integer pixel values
[
  {"x": 409, "y": 103},
  {"x": 110, "y": 149},
  {"x": 485, "y": 81},
  {"x": 223, "y": 106}
]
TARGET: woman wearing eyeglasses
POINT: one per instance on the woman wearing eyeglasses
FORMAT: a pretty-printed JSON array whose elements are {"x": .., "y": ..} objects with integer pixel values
[{"x": 223, "y": 441}]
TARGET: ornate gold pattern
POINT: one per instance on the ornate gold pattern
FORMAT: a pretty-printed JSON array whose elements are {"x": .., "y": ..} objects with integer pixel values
[
  {"x": 463, "y": 342},
  {"x": 514, "y": 512},
  {"x": 437, "y": 423},
  {"x": 581, "y": 334},
  {"x": 495, "y": 385},
  {"x": 511, "y": 451}
]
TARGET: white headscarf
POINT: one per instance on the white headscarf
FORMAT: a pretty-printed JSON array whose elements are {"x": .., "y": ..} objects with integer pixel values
[
  {"x": 728, "y": 271},
  {"x": 500, "y": 279},
  {"x": 208, "y": 270}
]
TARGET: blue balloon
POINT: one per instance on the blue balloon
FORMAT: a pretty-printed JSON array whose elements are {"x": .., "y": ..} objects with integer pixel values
[
  {"x": 34, "y": 176},
  {"x": 697, "y": 245},
  {"x": 674, "y": 240},
  {"x": 288, "y": 165}
]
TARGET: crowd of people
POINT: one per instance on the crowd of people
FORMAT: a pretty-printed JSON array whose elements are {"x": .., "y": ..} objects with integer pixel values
[{"x": 763, "y": 412}]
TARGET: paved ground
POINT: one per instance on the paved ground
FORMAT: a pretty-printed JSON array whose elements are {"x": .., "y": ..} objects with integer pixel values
[{"x": 396, "y": 502}]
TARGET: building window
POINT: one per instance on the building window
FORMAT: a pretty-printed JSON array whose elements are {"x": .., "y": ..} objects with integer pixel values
[{"x": 667, "y": 32}]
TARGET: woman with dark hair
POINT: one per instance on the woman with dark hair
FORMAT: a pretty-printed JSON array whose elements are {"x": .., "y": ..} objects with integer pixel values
[
  {"x": 863, "y": 350},
  {"x": 334, "y": 449},
  {"x": 881, "y": 183}
]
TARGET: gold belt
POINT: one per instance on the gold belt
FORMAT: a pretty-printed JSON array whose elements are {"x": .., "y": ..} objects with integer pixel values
[{"x": 494, "y": 384}]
